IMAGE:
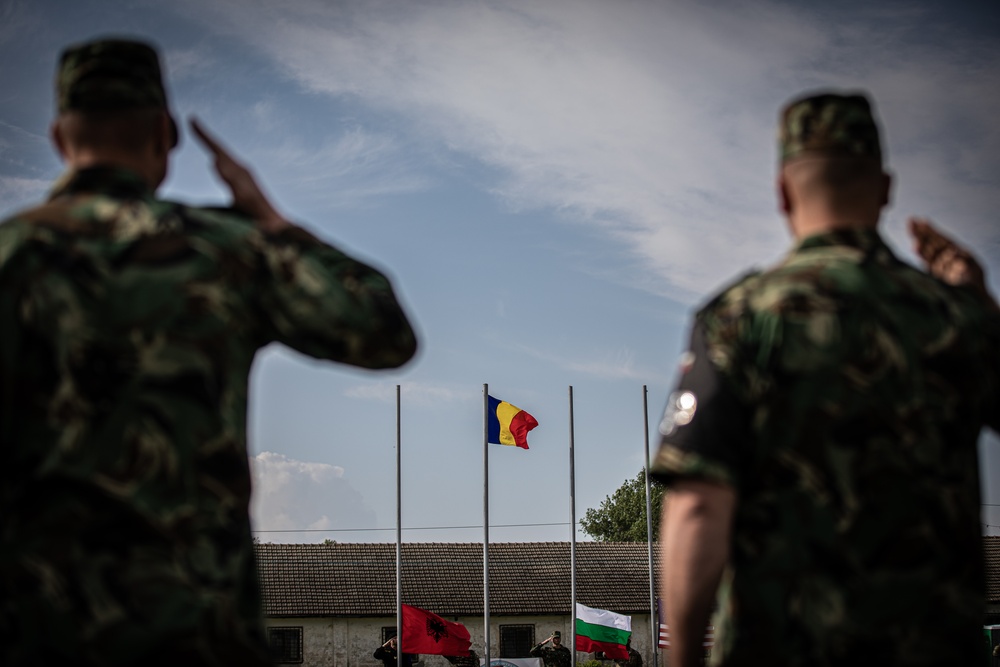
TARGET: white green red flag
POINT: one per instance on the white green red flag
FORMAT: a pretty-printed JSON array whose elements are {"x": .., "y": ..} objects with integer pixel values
[{"x": 600, "y": 630}]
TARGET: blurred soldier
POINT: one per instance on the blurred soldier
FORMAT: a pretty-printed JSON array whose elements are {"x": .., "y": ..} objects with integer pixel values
[
  {"x": 128, "y": 325},
  {"x": 387, "y": 653},
  {"x": 821, "y": 447},
  {"x": 555, "y": 655},
  {"x": 634, "y": 657}
]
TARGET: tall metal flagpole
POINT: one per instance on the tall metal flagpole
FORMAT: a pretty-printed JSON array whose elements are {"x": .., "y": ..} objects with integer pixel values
[
  {"x": 399, "y": 536},
  {"x": 653, "y": 621},
  {"x": 572, "y": 532},
  {"x": 486, "y": 523}
]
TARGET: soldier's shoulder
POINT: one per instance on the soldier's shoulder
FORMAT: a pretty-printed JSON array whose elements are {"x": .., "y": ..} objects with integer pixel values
[
  {"x": 732, "y": 298},
  {"x": 28, "y": 224},
  {"x": 215, "y": 217}
]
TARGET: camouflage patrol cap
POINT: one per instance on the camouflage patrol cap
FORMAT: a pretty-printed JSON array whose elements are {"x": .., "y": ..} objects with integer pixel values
[
  {"x": 111, "y": 74},
  {"x": 829, "y": 123}
]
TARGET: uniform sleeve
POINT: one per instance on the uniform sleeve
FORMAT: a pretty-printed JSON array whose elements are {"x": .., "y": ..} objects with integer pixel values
[
  {"x": 704, "y": 422},
  {"x": 323, "y": 303}
]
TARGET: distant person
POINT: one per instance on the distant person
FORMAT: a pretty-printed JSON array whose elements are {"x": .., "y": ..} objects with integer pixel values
[
  {"x": 128, "y": 326},
  {"x": 555, "y": 655},
  {"x": 634, "y": 657},
  {"x": 471, "y": 660},
  {"x": 387, "y": 653},
  {"x": 820, "y": 450}
]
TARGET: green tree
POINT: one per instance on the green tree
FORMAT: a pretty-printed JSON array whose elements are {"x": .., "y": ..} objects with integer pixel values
[{"x": 622, "y": 516}]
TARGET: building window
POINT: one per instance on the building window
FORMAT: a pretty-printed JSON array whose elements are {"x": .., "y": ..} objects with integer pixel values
[
  {"x": 285, "y": 645},
  {"x": 516, "y": 641}
]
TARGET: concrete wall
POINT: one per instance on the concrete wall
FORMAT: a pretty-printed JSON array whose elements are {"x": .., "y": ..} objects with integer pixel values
[{"x": 349, "y": 642}]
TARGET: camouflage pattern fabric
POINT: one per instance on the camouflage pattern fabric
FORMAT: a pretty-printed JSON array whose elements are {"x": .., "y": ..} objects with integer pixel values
[
  {"x": 841, "y": 394},
  {"x": 634, "y": 659},
  {"x": 129, "y": 326},
  {"x": 109, "y": 74},
  {"x": 552, "y": 656},
  {"x": 831, "y": 124}
]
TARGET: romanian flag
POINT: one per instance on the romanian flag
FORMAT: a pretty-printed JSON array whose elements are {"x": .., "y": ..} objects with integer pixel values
[
  {"x": 508, "y": 424},
  {"x": 600, "y": 630}
]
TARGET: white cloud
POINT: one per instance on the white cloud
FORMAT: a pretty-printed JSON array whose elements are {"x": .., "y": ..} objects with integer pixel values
[
  {"x": 413, "y": 392},
  {"x": 183, "y": 64},
  {"x": 617, "y": 364},
  {"x": 298, "y": 495},
  {"x": 653, "y": 121},
  {"x": 346, "y": 169},
  {"x": 17, "y": 189},
  {"x": 15, "y": 19}
]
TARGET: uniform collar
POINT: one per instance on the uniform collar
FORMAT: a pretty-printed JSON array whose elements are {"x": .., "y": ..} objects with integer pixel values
[
  {"x": 117, "y": 182},
  {"x": 867, "y": 240}
]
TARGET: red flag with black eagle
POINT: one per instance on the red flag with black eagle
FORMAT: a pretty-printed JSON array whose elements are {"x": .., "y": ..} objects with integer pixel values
[{"x": 428, "y": 633}]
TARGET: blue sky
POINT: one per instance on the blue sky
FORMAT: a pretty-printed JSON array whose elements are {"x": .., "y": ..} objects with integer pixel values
[{"x": 553, "y": 185}]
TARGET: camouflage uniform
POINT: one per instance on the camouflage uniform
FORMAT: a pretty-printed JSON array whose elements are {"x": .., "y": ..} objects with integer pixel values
[
  {"x": 552, "y": 656},
  {"x": 841, "y": 394},
  {"x": 634, "y": 659},
  {"x": 128, "y": 327}
]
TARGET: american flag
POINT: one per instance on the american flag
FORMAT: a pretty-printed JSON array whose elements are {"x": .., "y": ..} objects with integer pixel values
[{"x": 664, "y": 638}]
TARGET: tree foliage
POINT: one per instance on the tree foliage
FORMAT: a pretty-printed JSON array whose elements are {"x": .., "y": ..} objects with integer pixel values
[{"x": 621, "y": 517}]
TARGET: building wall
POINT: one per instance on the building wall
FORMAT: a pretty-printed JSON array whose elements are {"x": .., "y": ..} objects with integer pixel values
[{"x": 350, "y": 642}]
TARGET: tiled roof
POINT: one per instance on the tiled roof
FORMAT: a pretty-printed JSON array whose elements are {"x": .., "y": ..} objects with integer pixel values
[
  {"x": 526, "y": 578},
  {"x": 531, "y": 578},
  {"x": 991, "y": 548}
]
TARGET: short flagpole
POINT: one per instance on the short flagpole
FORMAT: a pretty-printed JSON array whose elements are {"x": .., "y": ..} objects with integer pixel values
[
  {"x": 653, "y": 621},
  {"x": 486, "y": 523},
  {"x": 399, "y": 536},
  {"x": 572, "y": 532}
]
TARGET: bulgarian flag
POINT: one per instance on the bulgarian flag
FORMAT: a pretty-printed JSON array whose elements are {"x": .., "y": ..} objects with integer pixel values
[{"x": 599, "y": 630}]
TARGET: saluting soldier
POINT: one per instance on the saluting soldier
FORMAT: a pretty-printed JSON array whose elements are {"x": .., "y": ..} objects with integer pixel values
[
  {"x": 552, "y": 652},
  {"x": 128, "y": 325},
  {"x": 821, "y": 446}
]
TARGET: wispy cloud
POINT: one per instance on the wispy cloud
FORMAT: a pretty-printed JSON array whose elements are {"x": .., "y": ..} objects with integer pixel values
[
  {"x": 300, "y": 495},
  {"x": 14, "y": 18},
  {"x": 24, "y": 159},
  {"x": 617, "y": 364},
  {"x": 183, "y": 64},
  {"x": 652, "y": 121},
  {"x": 414, "y": 392},
  {"x": 16, "y": 189},
  {"x": 352, "y": 167}
]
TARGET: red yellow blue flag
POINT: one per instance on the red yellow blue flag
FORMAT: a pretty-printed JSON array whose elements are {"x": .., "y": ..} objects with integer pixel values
[{"x": 508, "y": 424}]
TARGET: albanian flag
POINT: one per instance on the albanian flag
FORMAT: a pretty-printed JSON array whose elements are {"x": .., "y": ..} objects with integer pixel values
[{"x": 427, "y": 633}]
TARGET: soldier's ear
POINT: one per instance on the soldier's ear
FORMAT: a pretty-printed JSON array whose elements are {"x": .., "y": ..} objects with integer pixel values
[
  {"x": 886, "y": 193},
  {"x": 165, "y": 136},
  {"x": 56, "y": 134},
  {"x": 784, "y": 200}
]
